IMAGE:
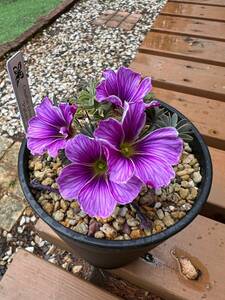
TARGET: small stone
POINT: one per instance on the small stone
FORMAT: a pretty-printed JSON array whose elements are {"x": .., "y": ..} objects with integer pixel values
[
  {"x": 194, "y": 192},
  {"x": 119, "y": 238},
  {"x": 185, "y": 172},
  {"x": 20, "y": 229},
  {"x": 48, "y": 207},
  {"x": 38, "y": 166},
  {"x": 160, "y": 214},
  {"x": 109, "y": 231},
  {"x": 120, "y": 220},
  {"x": 183, "y": 193},
  {"x": 116, "y": 211},
  {"x": 178, "y": 214},
  {"x": 123, "y": 211},
  {"x": 63, "y": 204},
  {"x": 147, "y": 231},
  {"x": 186, "y": 206},
  {"x": 37, "y": 239},
  {"x": 126, "y": 228},
  {"x": 136, "y": 234},
  {"x": 81, "y": 228},
  {"x": 27, "y": 220},
  {"x": 9, "y": 237},
  {"x": 33, "y": 219},
  {"x": 197, "y": 177},
  {"x": 132, "y": 222},
  {"x": 99, "y": 235},
  {"x": 58, "y": 215},
  {"x": 158, "y": 205},
  {"x": 171, "y": 208},
  {"x": 93, "y": 227},
  {"x": 70, "y": 214},
  {"x": 22, "y": 221},
  {"x": 117, "y": 226},
  {"x": 158, "y": 192},
  {"x": 76, "y": 269},
  {"x": 30, "y": 249},
  {"x": 52, "y": 260},
  {"x": 47, "y": 181},
  {"x": 185, "y": 184},
  {"x": 104, "y": 220},
  {"x": 28, "y": 212},
  {"x": 126, "y": 237},
  {"x": 82, "y": 214},
  {"x": 168, "y": 221}
]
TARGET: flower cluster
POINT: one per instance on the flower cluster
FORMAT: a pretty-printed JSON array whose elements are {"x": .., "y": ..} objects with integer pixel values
[{"x": 123, "y": 154}]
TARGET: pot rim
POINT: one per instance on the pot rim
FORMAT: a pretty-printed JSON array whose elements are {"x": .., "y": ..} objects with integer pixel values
[{"x": 122, "y": 244}]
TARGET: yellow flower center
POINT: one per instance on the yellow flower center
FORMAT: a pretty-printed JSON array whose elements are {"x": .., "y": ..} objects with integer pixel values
[
  {"x": 127, "y": 150},
  {"x": 100, "y": 167}
]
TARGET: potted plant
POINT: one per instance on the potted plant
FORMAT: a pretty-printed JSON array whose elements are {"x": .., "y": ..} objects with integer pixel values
[{"x": 114, "y": 172}]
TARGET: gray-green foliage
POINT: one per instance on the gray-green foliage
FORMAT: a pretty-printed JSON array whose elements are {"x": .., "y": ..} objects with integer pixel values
[{"x": 165, "y": 119}]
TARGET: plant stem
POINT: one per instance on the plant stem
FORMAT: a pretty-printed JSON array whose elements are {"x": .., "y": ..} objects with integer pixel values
[{"x": 34, "y": 184}]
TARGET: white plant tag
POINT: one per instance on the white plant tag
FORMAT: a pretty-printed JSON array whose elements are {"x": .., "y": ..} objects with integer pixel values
[{"x": 17, "y": 73}]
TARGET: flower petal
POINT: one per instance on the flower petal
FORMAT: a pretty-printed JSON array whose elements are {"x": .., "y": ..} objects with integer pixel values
[
  {"x": 153, "y": 171},
  {"x": 95, "y": 198},
  {"x": 83, "y": 150},
  {"x": 50, "y": 114},
  {"x": 41, "y": 130},
  {"x": 55, "y": 146},
  {"x": 68, "y": 111},
  {"x": 103, "y": 95},
  {"x": 110, "y": 82},
  {"x": 126, "y": 193},
  {"x": 143, "y": 89},
  {"x": 127, "y": 81},
  {"x": 110, "y": 131},
  {"x": 39, "y": 146},
  {"x": 152, "y": 104},
  {"x": 121, "y": 169},
  {"x": 163, "y": 143},
  {"x": 133, "y": 120},
  {"x": 72, "y": 179}
]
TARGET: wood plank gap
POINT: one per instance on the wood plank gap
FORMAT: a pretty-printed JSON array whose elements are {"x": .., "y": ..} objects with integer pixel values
[
  {"x": 188, "y": 90},
  {"x": 217, "y": 4},
  {"x": 187, "y": 34},
  {"x": 191, "y": 17},
  {"x": 165, "y": 53}
]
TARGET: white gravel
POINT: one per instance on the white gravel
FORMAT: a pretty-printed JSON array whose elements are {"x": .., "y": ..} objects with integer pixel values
[{"x": 62, "y": 58}]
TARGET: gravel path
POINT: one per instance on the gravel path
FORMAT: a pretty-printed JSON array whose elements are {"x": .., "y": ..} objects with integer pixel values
[{"x": 71, "y": 51}]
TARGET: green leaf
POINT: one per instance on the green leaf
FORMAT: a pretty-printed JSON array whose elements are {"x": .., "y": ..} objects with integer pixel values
[
  {"x": 174, "y": 120},
  {"x": 149, "y": 97},
  {"x": 186, "y": 137}
]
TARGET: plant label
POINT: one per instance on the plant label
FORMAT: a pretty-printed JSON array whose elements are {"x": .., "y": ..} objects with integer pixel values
[{"x": 17, "y": 73}]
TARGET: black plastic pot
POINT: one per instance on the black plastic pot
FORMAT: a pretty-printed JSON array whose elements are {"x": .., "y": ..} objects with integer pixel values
[{"x": 112, "y": 254}]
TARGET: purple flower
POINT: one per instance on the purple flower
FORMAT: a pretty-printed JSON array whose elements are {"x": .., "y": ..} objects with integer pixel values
[
  {"x": 87, "y": 179},
  {"x": 149, "y": 158},
  {"x": 123, "y": 85},
  {"x": 51, "y": 128}
]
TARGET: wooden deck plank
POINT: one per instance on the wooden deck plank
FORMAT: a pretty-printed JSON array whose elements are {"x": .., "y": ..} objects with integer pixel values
[
  {"x": 206, "y": 114},
  {"x": 30, "y": 277},
  {"x": 185, "y": 47},
  {"x": 162, "y": 276},
  {"x": 193, "y": 27},
  {"x": 215, "y": 207},
  {"x": 199, "y": 11},
  {"x": 203, "y": 243},
  {"x": 207, "y": 2},
  {"x": 183, "y": 76}
]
